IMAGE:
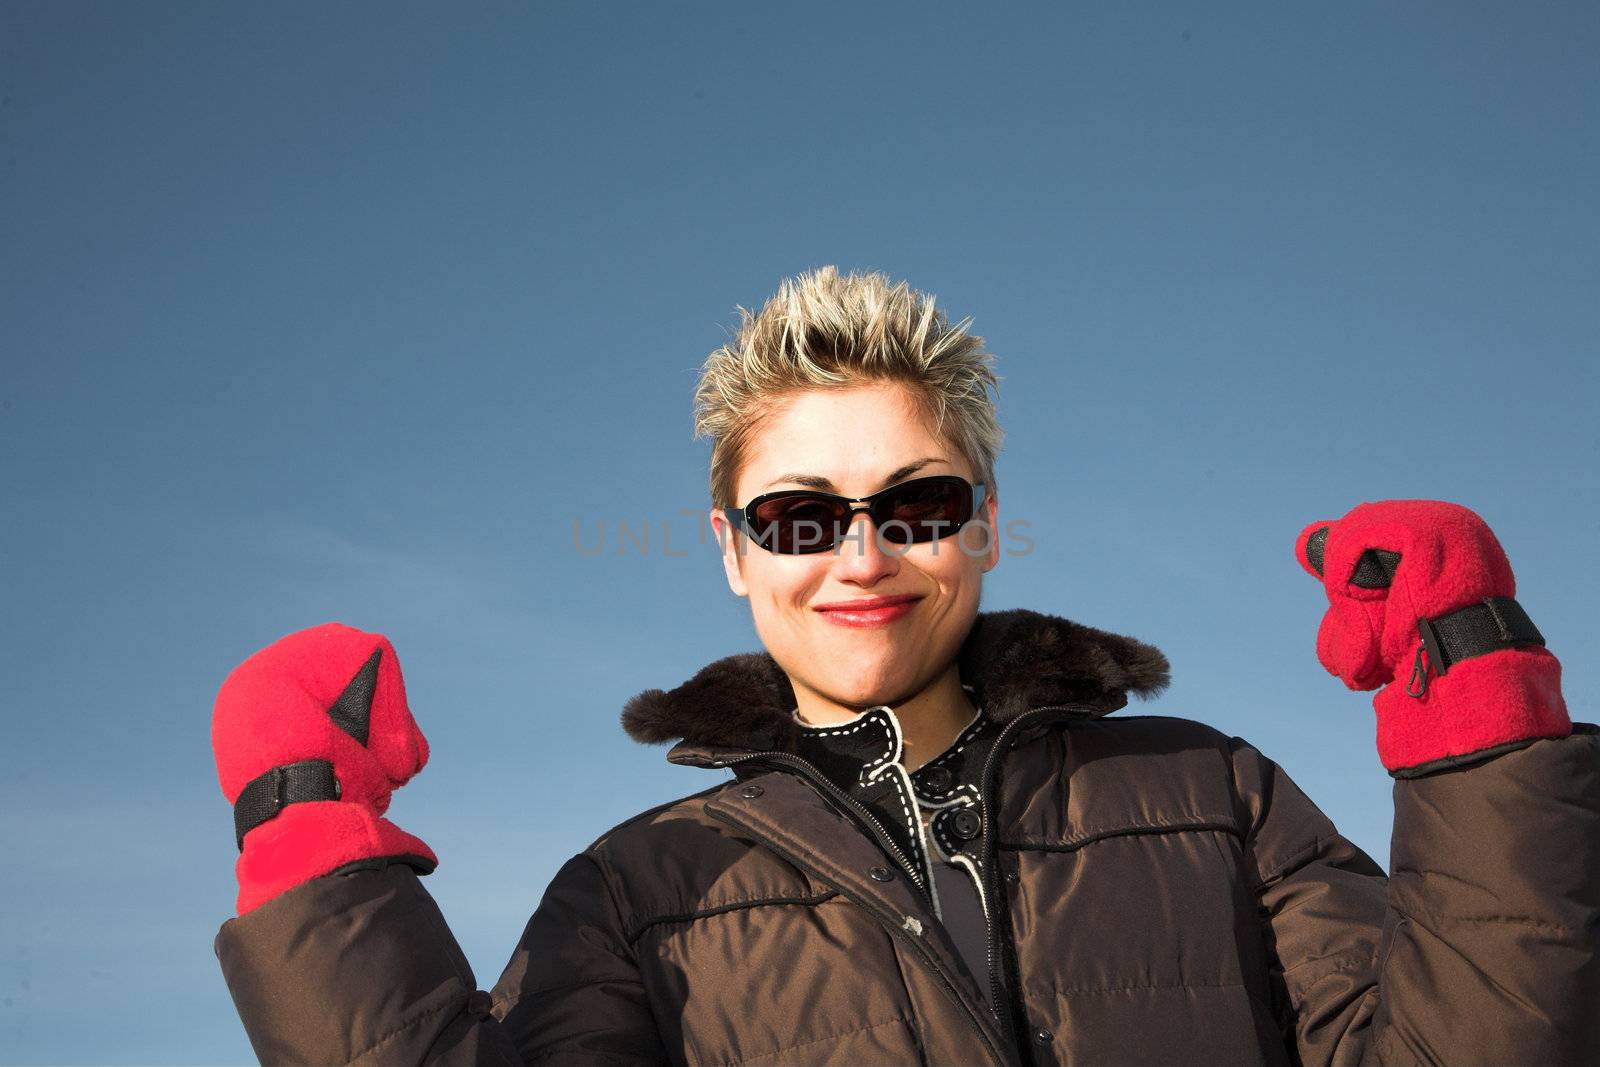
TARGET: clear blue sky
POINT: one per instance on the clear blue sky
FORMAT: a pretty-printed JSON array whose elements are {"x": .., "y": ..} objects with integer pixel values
[{"x": 351, "y": 311}]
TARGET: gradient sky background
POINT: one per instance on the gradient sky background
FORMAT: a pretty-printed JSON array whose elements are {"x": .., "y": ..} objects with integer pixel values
[{"x": 352, "y": 311}]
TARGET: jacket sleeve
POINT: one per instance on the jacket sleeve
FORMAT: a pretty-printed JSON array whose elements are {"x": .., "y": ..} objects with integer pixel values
[
  {"x": 361, "y": 968},
  {"x": 1483, "y": 945},
  {"x": 358, "y": 968}
]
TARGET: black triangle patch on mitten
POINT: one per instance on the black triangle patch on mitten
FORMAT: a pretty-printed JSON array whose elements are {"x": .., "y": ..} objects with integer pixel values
[{"x": 352, "y": 712}]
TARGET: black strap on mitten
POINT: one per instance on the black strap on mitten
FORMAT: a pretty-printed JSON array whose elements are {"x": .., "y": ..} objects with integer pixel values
[
  {"x": 267, "y": 794},
  {"x": 1492, "y": 624}
]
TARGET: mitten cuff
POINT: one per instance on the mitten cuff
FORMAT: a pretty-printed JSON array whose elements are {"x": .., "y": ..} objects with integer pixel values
[
  {"x": 1485, "y": 704},
  {"x": 310, "y": 839}
]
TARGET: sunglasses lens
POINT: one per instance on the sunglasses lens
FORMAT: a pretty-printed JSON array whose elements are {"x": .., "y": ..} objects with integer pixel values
[
  {"x": 918, "y": 511},
  {"x": 927, "y": 509},
  {"x": 799, "y": 523}
]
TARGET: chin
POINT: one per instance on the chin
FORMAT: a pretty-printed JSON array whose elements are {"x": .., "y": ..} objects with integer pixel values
[{"x": 867, "y": 686}]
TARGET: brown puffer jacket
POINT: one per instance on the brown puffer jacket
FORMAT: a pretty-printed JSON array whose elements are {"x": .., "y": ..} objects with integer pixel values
[{"x": 1168, "y": 896}]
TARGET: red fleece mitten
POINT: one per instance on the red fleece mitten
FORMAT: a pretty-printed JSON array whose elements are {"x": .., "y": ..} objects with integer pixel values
[
  {"x": 312, "y": 734},
  {"x": 1421, "y": 598}
]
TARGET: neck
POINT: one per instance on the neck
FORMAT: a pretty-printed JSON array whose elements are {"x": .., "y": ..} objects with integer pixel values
[{"x": 930, "y": 720}]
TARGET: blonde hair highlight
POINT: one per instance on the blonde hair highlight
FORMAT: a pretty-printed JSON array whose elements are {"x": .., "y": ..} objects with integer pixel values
[{"x": 821, "y": 331}]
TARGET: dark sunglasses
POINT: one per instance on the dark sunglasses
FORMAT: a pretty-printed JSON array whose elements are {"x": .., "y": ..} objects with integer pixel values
[{"x": 802, "y": 521}]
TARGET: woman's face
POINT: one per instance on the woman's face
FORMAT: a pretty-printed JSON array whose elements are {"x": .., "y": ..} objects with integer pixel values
[{"x": 859, "y": 440}]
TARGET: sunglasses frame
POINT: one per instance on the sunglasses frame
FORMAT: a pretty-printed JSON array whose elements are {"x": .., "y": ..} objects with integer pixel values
[{"x": 743, "y": 519}]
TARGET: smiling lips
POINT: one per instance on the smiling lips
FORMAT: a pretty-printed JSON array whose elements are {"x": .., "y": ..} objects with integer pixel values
[{"x": 868, "y": 611}]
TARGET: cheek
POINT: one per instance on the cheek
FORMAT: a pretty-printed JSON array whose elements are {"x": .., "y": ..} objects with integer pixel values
[
  {"x": 779, "y": 583},
  {"x": 947, "y": 564}
]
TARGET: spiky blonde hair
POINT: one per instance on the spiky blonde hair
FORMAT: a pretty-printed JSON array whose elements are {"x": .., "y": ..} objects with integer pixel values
[{"x": 823, "y": 331}]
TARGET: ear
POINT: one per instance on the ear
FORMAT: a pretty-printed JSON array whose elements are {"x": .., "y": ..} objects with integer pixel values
[
  {"x": 991, "y": 508},
  {"x": 987, "y": 516},
  {"x": 731, "y": 543}
]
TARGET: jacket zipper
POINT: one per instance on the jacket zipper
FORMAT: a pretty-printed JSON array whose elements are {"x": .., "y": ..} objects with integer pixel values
[
  {"x": 997, "y": 954},
  {"x": 889, "y": 922}
]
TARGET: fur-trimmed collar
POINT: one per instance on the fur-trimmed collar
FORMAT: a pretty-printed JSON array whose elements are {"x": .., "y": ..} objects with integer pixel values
[{"x": 1015, "y": 660}]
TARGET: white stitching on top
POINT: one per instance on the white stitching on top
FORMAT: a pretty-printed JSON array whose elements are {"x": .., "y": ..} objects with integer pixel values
[
  {"x": 919, "y": 843},
  {"x": 870, "y": 717},
  {"x": 870, "y": 774},
  {"x": 896, "y": 747},
  {"x": 968, "y": 734},
  {"x": 977, "y": 880},
  {"x": 911, "y": 804},
  {"x": 962, "y": 795},
  {"x": 888, "y": 764}
]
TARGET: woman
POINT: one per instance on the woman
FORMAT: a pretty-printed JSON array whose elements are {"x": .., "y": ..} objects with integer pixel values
[{"x": 937, "y": 845}]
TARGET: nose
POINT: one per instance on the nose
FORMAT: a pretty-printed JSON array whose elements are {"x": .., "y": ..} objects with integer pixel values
[{"x": 861, "y": 558}]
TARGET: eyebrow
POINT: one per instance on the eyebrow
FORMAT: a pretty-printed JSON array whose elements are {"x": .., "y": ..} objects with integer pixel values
[{"x": 816, "y": 481}]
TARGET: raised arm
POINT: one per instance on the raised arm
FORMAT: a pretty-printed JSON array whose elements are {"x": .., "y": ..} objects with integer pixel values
[
  {"x": 338, "y": 954},
  {"x": 1480, "y": 948},
  {"x": 1484, "y": 945}
]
